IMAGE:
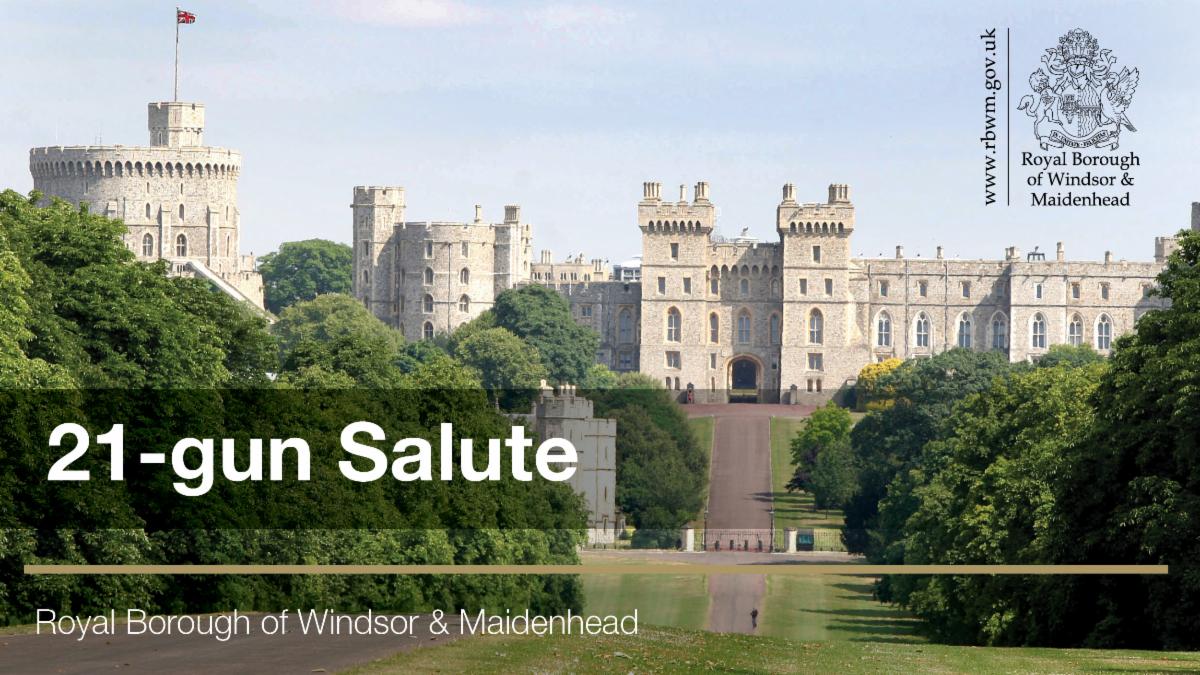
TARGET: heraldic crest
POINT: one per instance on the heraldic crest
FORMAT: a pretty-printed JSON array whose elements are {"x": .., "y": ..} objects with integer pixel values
[{"x": 1082, "y": 102}]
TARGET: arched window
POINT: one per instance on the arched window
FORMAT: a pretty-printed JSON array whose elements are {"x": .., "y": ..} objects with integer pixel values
[
  {"x": 464, "y": 277},
  {"x": 625, "y": 326},
  {"x": 999, "y": 332},
  {"x": 714, "y": 285},
  {"x": 964, "y": 332},
  {"x": 1104, "y": 333},
  {"x": 775, "y": 332},
  {"x": 148, "y": 245},
  {"x": 1037, "y": 332},
  {"x": 774, "y": 287},
  {"x": 816, "y": 327},
  {"x": 366, "y": 276},
  {"x": 883, "y": 330},
  {"x": 464, "y": 304},
  {"x": 181, "y": 213},
  {"x": 714, "y": 328},
  {"x": 744, "y": 287},
  {"x": 427, "y": 304},
  {"x": 922, "y": 331},
  {"x": 181, "y": 245},
  {"x": 428, "y": 276},
  {"x": 427, "y": 330},
  {"x": 743, "y": 327},
  {"x": 147, "y": 210},
  {"x": 674, "y": 325},
  {"x": 1075, "y": 331}
]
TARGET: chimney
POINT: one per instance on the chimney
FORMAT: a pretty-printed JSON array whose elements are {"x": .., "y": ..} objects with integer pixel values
[
  {"x": 1196, "y": 216},
  {"x": 478, "y": 213},
  {"x": 899, "y": 252},
  {"x": 789, "y": 192},
  {"x": 647, "y": 191},
  {"x": 512, "y": 213},
  {"x": 839, "y": 193},
  {"x": 1107, "y": 257},
  {"x": 701, "y": 191},
  {"x": 682, "y": 194},
  {"x": 939, "y": 253},
  {"x": 1060, "y": 253}
]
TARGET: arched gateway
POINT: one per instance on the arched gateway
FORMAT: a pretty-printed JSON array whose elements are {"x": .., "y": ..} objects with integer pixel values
[{"x": 744, "y": 376}]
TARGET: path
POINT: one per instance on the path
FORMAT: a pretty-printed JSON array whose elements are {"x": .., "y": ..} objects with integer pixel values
[{"x": 739, "y": 503}]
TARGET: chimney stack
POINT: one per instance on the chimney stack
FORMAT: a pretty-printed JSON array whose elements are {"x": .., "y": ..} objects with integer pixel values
[
  {"x": 939, "y": 253},
  {"x": 682, "y": 194},
  {"x": 839, "y": 193},
  {"x": 1060, "y": 253},
  {"x": 478, "y": 213},
  {"x": 789, "y": 193},
  {"x": 899, "y": 252},
  {"x": 1107, "y": 257},
  {"x": 512, "y": 213},
  {"x": 1196, "y": 216}
]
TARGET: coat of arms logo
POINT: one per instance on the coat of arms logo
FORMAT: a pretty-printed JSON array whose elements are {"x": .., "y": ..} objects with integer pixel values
[{"x": 1082, "y": 102}]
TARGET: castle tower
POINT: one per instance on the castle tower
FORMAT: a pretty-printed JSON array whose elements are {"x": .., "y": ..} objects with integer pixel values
[
  {"x": 176, "y": 196},
  {"x": 377, "y": 212},
  {"x": 821, "y": 338}
]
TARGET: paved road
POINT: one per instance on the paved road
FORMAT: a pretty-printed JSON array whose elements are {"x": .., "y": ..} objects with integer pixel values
[
  {"x": 252, "y": 653},
  {"x": 739, "y": 501}
]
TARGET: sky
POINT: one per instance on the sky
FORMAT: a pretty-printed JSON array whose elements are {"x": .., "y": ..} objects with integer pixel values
[{"x": 567, "y": 107}]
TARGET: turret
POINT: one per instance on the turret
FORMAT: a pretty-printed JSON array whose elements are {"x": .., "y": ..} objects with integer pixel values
[{"x": 176, "y": 124}]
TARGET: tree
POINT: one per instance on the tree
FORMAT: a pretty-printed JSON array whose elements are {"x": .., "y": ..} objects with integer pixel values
[
  {"x": 1080, "y": 355},
  {"x": 338, "y": 334},
  {"x": 509, "y": 369},
  {"x": 834, "y": 475},
  {"x": 655, "y": 487},
  {"x": 302, "y": 270},
  {"x": 867, "y": 391},
  {"x": 827, "y": 425},
  {"x": 542, "y": 318},
  {"x": 599, "y": 377}
]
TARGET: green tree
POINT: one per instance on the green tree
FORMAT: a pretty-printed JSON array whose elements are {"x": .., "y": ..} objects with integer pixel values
[
  {"x": 599, "y": 377},
  {"x": 302, "y": 270},
  {"x": 542, "y": 318},
  {"x": 509, "y": 369},
  {"x": 834, "y": 475},
  {"x": 338, "y": 334}
]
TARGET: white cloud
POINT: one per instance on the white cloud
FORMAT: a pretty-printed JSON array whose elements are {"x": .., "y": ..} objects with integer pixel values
[
  {"x": 565, "y": 16},
  {"x": 410, "y": 13}
]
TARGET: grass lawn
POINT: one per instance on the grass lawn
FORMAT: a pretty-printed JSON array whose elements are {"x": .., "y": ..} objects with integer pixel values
[
  {"x": 831, "y": 608},
  {"x": 680, "y": 601},
  {"x": 676, "y": 650},
  {"x": 793, "y": 509}
]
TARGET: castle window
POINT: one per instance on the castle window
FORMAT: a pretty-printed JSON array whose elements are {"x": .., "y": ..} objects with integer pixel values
[
  {"x": 147, "y": 211},
  {"x": 816, "y": 327},
  {"x": 883, "y": 330},
  {"x": 625, "y": 326},
  {"x": 883, "y": 289},
  {"x": 712, "y": 361},
  {"x": 774, "y": 288},
  {"x": 922, "y": 331},
  {"x": 662, "y": 285},
  {"x": 464, "y": 304},
  {"x": 816, "y": 362},
  {"x": 816, "y": 251},
  {"x": 366, "y": 276},
  {"x": 714, "y": 328},
  {"x": 464, "y": 277},
  {"x": 181, "y": 245},
  {"x": 1037, "y": 332},
  {"x": 1037, "y": 291},
  {"x": 427, "y": 330},
  {"x": 585, "y": 311},
  {"x": 966, "y": 289},
  {"x": 673, "y": 360},
  {"x": 428, "y": 276},
  {"x": 427, "y": 304},
  {"x": 804, "y": 287},
  {"x": 743, "y": 327},
  {"x": 999, "y": 332},
  {"x": 714, "y": 286},
  {"x": 466, "y": 249},
  {"x": 1104, "y": 291},
  {"x": 744, "y": 287},
  {"x": 625, "y": 359},
  {"x": 964, "y": 332},
  {"x": 181, "y": 213},
  {"x": 923, "y": 288},
  {"x": 1075, "y": 290},
  {"x": 687, "y": 285},
  {"x": 829, "y": 287},
  {"x": 429, "y": 249},
  {"x": 775, "y": 332},
  {"x": 1104, "y": 333},
  {"x": 674, "y": 325},
  {"x": 674, "y": 251},
  {"x": 1075, "y": 331},
  {"x": 147, "y": 245}
]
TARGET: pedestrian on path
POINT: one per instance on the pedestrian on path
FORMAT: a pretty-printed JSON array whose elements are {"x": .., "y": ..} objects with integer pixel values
[{"x": 754, "y": 618}]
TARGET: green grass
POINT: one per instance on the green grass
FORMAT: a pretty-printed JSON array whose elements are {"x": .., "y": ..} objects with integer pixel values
[
  {"x": 702, "y": 427},
  {"x": 680, "y": 601},
  {"x": 831, "y": 608},
  {"x": 793, "y": 509},
  {"x": 677, "y": 650}
]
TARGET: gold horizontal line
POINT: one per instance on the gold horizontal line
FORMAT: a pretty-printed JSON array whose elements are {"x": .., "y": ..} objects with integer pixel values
[{"x": 776, "y": 569}]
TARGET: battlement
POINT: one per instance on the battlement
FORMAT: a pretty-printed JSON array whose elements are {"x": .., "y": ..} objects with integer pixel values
[
  {"x": 378, "y": 195},
  {"x": 835, "y": 216},
  {"x": 176, "y": 124},
  {"x": 561, "y": 403},
  {"x": 656, "y": 215}
]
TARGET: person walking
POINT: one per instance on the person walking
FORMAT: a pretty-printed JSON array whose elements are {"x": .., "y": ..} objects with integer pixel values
[{"x": 754, "y": 618}]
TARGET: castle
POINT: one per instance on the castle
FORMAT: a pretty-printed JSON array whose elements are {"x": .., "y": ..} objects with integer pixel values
[
  {"x": 177, "y": 196},
  {"x": 720, "y": 320}
]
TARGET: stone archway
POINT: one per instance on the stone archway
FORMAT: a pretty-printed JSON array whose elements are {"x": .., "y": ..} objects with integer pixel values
[{"x": 745, "y": 380}]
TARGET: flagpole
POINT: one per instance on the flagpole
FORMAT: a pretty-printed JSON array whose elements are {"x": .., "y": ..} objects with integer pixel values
[{"x": 176, "y": 96}]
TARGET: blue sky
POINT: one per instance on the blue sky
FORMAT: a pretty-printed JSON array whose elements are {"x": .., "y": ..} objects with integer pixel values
[{"x": 566, "y": 107}]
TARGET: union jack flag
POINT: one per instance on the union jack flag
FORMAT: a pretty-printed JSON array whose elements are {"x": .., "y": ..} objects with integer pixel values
[{"x": 184, "y": 17}]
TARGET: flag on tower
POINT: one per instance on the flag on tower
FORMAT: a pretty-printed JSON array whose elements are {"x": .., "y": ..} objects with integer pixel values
[{"x": 184, "y": 17}]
